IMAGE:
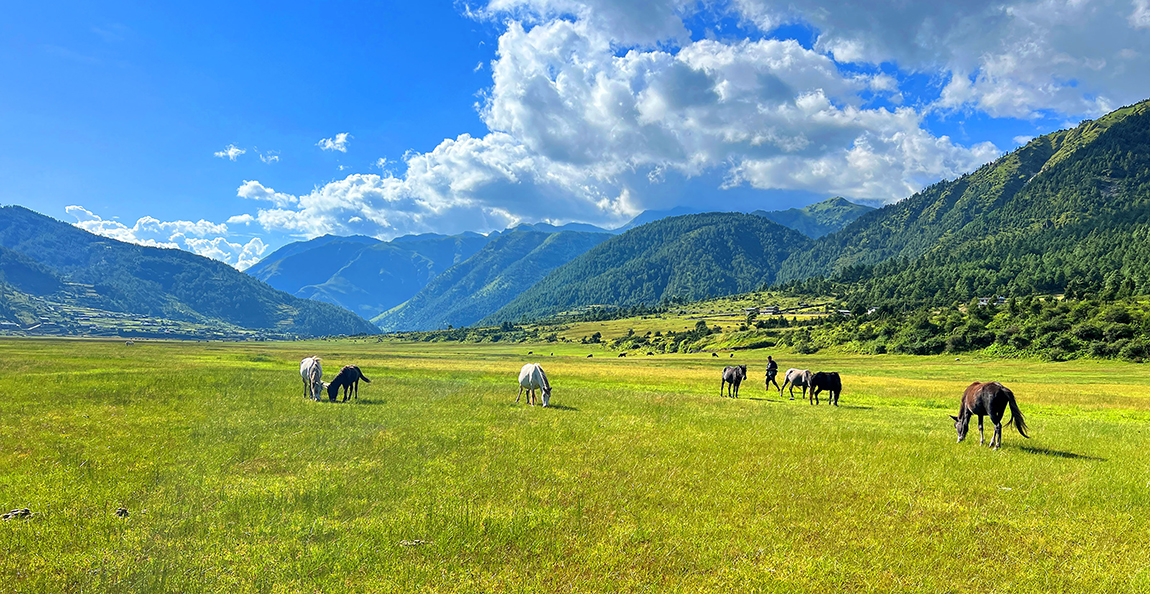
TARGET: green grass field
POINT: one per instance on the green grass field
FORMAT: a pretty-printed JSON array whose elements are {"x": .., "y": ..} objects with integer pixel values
[{"x": 639, "y": 478}]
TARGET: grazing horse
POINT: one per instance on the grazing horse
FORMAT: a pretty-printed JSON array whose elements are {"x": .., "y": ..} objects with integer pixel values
[
  {"x": 312, "y": 373},
  {"x": 733, "y": 375},
  {"x": 347, "y": 378},
  {"x": 829, "y": 381},
  {"x": 532, "y": 378},
  {"x": 796, "y": 377},
  {"x": 988, "y": 398}
]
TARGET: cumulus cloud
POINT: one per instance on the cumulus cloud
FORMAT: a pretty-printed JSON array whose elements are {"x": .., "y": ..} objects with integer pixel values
[
  {"x": 254, "y": 190},
  {"x": 598, "y": 109},
  {"x": 339, "y": 143},
  {"x": 193, "y": 236},
  {"x": 230, "y": 152}
]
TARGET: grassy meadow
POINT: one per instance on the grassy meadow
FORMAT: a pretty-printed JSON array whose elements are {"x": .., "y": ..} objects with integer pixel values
[{"x": 639, "y": 478}]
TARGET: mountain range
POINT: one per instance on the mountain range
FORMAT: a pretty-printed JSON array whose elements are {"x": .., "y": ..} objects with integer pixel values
[
  {"x": 55, "y": 275},
  {"x": 1067, "y": 212}
]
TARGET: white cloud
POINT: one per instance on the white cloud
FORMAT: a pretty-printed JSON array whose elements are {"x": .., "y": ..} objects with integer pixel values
[
  {"x": 1021, "y": 140},
  {"x": 254, "y": 190},
  {"x": 230, "y": 153},
  {"x": 270, "y": 157},
  {"x": 243, "y": 219},
  {"x": 193, "y": 236},
  {"x": 339, "y": 143}
]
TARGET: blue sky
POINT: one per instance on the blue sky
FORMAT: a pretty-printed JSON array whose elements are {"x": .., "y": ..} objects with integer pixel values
[{"x": 119, "y": 116}]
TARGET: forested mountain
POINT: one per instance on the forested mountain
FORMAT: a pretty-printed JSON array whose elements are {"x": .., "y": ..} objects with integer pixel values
[
  {"x": 819, "y": 219},
  {"x": 361, "y": 274},
  {"x": 45, "y": 261},
  {"x": 685, "y": 257},
  {"x": 1070, "y": 211},
  {"x": 485, "y": 282}
]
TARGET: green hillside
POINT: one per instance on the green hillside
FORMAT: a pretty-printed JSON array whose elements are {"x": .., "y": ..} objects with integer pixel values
[
  {"x": 1070, "y": 211},
  {"x": 49, "y": 266},
  {"x": 686, "y": 257},
  {"x": 366, "y": 277},
  {"x": 479, "y": 286},
  {"x": 819, "y": 219}
]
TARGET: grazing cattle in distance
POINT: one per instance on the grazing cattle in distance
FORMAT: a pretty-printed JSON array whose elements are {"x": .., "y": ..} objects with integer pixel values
[
  {"x": 829, "y": 381},
  {"x": 649, "y": 353},
  {"x": 129, "y": 343},
  {"x": 588, "y": 355},
  {"x": 622, "y": 354},
  {"x": 988, "y": 398},
  {"x": 348, "y": 379},
  {"x": 530, "y": 352},
  {"x": 732, "y": 355},
  {"x": 733, "y": 375},
  {"x": 714, "y": 354},
  {"x": 532, "y": 378},
  {"x": 796, "y": 377},
  {"x": 312, "y": 373}
]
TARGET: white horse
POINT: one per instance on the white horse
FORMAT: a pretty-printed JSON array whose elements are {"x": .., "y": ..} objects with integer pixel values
[
  {"x": 311, "y": 372},
  {"x": 532, "y": 378},
  {"x": 796, "y": 377}
]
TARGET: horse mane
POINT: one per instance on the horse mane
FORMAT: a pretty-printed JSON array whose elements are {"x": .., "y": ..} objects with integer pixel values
[{"x": 546, "y": 384}]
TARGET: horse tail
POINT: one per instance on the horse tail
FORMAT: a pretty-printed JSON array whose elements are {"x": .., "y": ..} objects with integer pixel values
[
  {"x": 364, "y": 377},
  {"x": 1016, "y": 414}
]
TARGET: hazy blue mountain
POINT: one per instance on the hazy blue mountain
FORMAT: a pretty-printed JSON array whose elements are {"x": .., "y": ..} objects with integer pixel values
[
  {"x": 294, "y": 248},
  {"x": 819, "y": 219},
  {"x": 365, "y": 276},
  {"x": 51, "y": 260},
  {"x": 685, "y": 257},
  {"x": 485, "y": 282}
]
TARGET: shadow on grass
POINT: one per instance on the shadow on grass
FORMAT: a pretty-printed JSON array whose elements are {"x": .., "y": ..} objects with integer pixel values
[
  {"x": 365, "y": 401},
  {"x": 561, "y": 407},
  {"x": 1059, "y": 454},
  {"x": 856, "y": 407}
]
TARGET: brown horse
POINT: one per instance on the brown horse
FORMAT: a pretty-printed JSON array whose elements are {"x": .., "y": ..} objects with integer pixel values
[{"x": 988, "y": 398}]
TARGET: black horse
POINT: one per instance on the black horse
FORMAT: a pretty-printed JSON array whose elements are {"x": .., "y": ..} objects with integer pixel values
[
  {"x": 733, "y": 375},
  {"x": 829, "y": 381},
  {"x": 988, "y": 398},
  {"x": 347, "y": 378}
]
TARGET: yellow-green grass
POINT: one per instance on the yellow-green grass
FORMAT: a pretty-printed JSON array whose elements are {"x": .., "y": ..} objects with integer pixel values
[{"x": 640, "y": 478}]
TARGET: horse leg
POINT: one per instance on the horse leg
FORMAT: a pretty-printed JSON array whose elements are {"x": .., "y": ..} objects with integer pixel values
[
  {"x": 981, "y": 437},
  {"x": 520, "y": 395}
]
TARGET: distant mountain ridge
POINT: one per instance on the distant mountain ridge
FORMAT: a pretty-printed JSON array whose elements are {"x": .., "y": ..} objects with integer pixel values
[
  {"x": 45, "y": 261},
  {"x": 366, "y": 276},
  {"x": 819, "y": 219},
  {"x": 479, "y": 286}
]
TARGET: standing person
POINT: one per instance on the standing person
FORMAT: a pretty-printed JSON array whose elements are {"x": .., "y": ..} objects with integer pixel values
[{"x": 772, "y": 371}]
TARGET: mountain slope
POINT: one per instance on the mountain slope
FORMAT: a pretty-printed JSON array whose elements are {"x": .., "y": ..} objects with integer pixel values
[
  {"x": 1067, "y": 211},
  {"x": 689, "y": 257},
  {"x": 291, "y": 249},
  {"x": 166, "y": 283},
  {"x": 367, "y": 277},
  {"x": 819, "y": 219},
  {"x": 477, "y": 287}
]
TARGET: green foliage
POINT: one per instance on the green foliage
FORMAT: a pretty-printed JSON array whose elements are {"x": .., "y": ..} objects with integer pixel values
[{"x": 1069, "y": 212}]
